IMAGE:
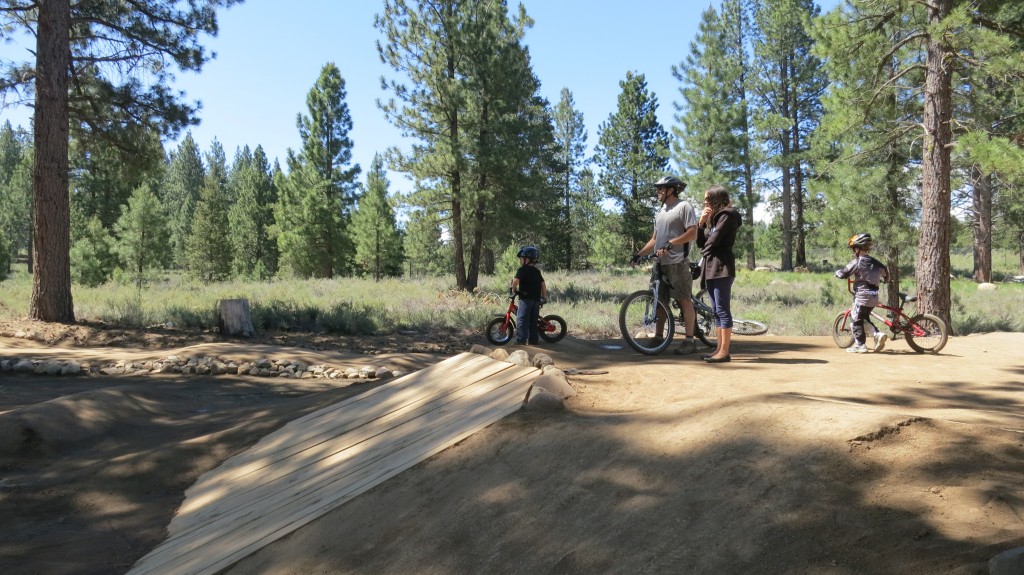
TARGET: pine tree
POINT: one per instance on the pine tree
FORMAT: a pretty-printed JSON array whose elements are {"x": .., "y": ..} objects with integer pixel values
[
  {"x": 184, "y": 178},
  {"x": 208, "y": 247},
  {"x": 142, "y": 236},
  {"x": 862, "y": 147},
  {"x": 15, "y": 193},
  {"x": 571, "y": 143},
  {"x": 251, "y": 217},
  {"x": 484, "y": 134},
  {"x": 788, "y": 90},
  {"x": 320, "y": 185},
  {"x": 633, "y": 153},
  {"x": 424, "y": 250},
  {"x": 98, "y": 67},
  {"x": 377, "y": 240},
  {"x": 93, "y": 257},
  {"x": 714, "y": 141}
]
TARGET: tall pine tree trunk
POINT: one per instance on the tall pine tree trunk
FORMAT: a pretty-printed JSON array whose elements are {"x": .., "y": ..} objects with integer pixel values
[
  {"x": 932, "y": 264},
  {"x": 51, "y": 229},
  {"x": 798, "y": 190},
  {"x": 787, "y": 217},
  {"x": 981, "y": 199}
]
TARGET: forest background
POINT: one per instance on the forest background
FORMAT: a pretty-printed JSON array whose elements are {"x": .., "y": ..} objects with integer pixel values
[{"x": 902, "y": 118}]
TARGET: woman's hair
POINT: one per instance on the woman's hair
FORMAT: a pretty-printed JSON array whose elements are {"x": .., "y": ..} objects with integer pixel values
[{"x": 717, "y": 196}]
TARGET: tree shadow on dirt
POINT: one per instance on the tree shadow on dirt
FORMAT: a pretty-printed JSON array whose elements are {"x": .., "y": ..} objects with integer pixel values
[
  {"x": 90, "y": 480},
  {"x": 588, "y": 494}
]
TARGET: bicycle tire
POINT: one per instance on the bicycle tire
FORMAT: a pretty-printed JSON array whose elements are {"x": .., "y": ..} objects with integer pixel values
[
  {"x": 558, "y": 329},
  {"x": 926, "y": 333},
  {"x": 841, "y": 333},
  {"x": 638, "y": 323},
  {"x": 498, "y": 333},
  {"x": 748, "y": 327},
  {"x": 707, "y": 330}
]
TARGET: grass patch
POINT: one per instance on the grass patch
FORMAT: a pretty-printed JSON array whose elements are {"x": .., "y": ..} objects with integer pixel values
[{"x": 790, "y": 303}]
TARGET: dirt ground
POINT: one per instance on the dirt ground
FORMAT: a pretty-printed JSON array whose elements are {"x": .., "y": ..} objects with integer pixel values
[{"x": 794, "y": 458}]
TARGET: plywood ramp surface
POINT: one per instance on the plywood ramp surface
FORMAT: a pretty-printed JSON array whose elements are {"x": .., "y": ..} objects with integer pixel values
[{"x": 314, "y": 464}]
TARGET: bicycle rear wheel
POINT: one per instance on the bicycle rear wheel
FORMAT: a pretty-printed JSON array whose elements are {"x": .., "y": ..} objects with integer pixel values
[
  {"x": 841, "y": 332},
  {"x": 500, "y": 333},
  {"x": 707, "y": 331},
  {"x": 638, "y": 318},
  {"x": 926, "y": 333},
  {"x": 554, "y": 330},
  {"x": 748, "y": 327}
]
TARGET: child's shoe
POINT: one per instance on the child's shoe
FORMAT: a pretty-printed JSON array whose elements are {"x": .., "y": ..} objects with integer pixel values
[
  {"x": 857, "y": 348},
  {"x": 880, "y": 339}
]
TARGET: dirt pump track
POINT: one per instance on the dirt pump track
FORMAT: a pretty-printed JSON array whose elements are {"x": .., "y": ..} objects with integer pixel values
[{"x": 794, "y": 458}]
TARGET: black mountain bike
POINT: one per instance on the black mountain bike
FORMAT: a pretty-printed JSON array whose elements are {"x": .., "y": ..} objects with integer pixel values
[{"x": 642, "y": 310}]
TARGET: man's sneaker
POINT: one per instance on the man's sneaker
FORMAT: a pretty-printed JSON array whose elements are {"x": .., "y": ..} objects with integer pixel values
[
  {"x": 686, "y": 348},
  {"x": 880, "y": 338},
  {"x": 857, "y": 348}
]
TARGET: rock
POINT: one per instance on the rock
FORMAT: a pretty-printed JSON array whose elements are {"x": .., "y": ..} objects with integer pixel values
[
  {"x": 541, "y": 360},
  {"x": 762, "y": 269},
  {"x": 985, "y": 286},
  {"x": 480, "y": 350},
  {"x": 1007, "y": 563},
  {"x": 498, "y": 354},
  {"x": 25, "y": 366},
  {"x": 71, "y": 368},
  {"x": 554, "y": 384},
  {"x": 383, "y": 373},
  {"x": 52, "y": 367},
  {"x": 519, "y": 357},
  {"x": 544, "y": 402}
]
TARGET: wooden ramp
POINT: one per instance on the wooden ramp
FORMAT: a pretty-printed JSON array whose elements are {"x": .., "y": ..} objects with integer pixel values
[{"x": 314, "y": 464}]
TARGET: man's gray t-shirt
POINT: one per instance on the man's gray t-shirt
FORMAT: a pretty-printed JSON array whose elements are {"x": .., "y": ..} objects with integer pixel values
[{"x": 671, "y": 222}]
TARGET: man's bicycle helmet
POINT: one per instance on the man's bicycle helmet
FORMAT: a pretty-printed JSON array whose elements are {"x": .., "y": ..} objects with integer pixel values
[
  {"x": 529, "y": 252},
  {"x": 670, "y": 182},
  {"x": 863, "y": 241}
]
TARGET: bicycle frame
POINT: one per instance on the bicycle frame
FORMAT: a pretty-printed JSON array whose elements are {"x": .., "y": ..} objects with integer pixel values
[{"x": 897, "y": 321}]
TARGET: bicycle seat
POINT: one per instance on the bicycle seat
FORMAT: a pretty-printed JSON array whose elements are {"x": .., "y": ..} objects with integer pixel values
[{"x": 905, "y": 299}]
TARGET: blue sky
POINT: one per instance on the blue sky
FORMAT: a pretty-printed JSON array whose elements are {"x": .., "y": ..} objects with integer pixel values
[{"x": 269, "y": 56}]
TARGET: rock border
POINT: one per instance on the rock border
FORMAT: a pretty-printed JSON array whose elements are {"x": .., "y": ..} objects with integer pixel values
[{"x": 196, "y": 365}]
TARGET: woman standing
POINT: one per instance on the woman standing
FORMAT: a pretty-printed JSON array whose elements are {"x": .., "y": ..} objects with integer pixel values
[{"x": 716, "y": 234}]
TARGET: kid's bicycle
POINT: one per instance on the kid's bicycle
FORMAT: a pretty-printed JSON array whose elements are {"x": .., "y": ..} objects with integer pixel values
[
  {"x": 501, "y": 329},
  {"x": 924, "y": 332},
  {"x": 638, "y": 316}
]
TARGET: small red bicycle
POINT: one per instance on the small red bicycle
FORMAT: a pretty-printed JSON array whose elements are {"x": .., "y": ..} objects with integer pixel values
[
  {"x": 501, "y": 329},
  {"x": 924, "y": 332}
]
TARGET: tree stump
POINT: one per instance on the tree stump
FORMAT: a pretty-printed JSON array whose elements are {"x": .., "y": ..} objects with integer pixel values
[{"x": 234, "y": 318}]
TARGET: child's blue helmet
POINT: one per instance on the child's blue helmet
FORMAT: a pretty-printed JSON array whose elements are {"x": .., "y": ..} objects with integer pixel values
[{"x": 529, "y": 252}]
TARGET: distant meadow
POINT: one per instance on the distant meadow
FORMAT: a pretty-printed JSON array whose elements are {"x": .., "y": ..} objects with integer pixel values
[{"x": 791, "y": 303}]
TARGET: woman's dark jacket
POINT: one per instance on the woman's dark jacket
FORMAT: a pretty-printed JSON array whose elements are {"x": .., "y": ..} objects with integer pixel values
[{"x": 716, "y": 243}]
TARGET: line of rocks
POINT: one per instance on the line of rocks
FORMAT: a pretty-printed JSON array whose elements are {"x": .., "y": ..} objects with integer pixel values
[
  {"x": 549, "y": 391},
  {"x": 197, "y": 365}
]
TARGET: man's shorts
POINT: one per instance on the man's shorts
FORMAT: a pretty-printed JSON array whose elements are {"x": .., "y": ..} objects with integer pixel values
[{"x": 682, "y": 282}]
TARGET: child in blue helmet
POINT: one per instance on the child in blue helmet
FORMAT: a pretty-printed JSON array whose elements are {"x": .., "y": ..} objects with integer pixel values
[
  {"x": 867, "y": 274},
  {"x": 533, "y": 292}
]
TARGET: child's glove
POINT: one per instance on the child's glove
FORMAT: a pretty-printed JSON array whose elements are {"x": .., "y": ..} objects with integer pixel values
[
  {"x": 839, "y": 274},
  {"x": 543, "y": 301}
]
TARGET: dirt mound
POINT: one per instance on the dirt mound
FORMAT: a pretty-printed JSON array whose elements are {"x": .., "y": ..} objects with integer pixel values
[{"x": 61, "y": 424}]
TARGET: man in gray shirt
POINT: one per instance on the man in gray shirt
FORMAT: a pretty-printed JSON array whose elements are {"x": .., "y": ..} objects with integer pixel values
[{"x": 675, "y": 226}]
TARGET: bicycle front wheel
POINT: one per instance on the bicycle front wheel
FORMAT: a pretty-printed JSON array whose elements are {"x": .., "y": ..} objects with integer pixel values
[
  {"x": 841, "y": 333},
  {"x": 638, "y": 319},
  {"x": 707, "y": 330},
  {"x": 748, "y": 327},
  {"x": 499, "y": 332},
  {"x": 926, "y": 333},
  {"x": 552, "y": 328}
]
